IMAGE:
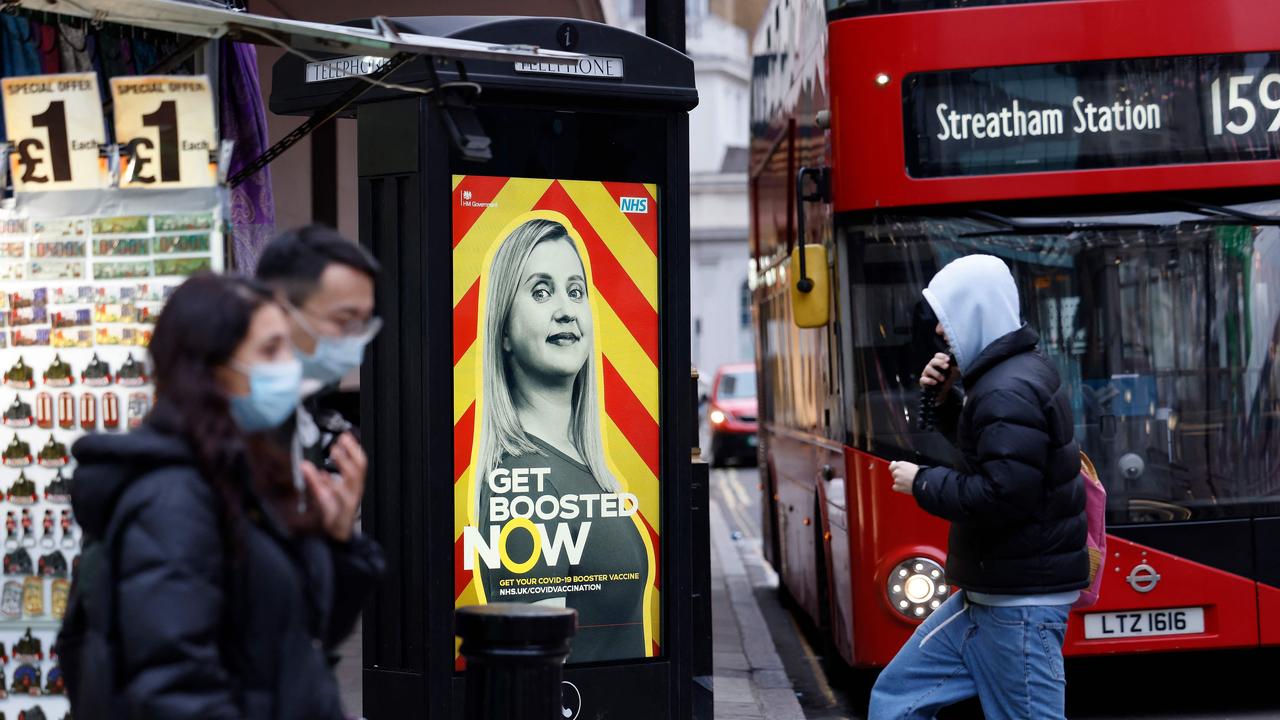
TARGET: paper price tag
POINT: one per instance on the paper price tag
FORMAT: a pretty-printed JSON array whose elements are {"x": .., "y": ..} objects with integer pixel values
[
  {"x": 164, "y": 124},
  {"x": 55, "y": 128}
]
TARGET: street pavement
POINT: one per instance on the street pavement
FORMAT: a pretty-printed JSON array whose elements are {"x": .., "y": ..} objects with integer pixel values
[{"x": 1193, "y": 686}]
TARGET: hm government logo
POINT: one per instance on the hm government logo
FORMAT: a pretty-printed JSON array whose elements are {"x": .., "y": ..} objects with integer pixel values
[
  {"x": 468, "y": 202},
  {"x": 634, "y": 205}
]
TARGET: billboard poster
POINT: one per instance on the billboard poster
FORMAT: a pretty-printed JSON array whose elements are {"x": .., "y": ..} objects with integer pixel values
[{"x": 556, "y": 424}]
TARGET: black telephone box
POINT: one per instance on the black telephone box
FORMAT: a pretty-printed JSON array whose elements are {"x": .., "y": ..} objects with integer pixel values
[{"x": 526, "y": 406}]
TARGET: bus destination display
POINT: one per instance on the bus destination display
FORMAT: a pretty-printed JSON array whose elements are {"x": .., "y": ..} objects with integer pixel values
[{"x": 1104, "y": 114}]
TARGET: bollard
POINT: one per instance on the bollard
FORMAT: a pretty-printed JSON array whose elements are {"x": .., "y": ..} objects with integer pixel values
[{"x": 515, "y": 659}]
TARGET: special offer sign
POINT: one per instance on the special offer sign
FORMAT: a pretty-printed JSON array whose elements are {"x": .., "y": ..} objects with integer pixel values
[{"x": 556, "y": 422}]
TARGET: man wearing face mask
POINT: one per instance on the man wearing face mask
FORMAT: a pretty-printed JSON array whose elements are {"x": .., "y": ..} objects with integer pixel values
[{"x": 325, "y": 283}]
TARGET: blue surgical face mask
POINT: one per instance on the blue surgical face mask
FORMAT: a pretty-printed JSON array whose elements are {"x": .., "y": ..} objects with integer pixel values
[
  {"x": 274, "y": 393},
  {"x": 334, "y": 357}
]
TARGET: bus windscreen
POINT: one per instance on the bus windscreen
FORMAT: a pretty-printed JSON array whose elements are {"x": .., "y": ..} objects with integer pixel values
[{"x": 1166, "y": 327}]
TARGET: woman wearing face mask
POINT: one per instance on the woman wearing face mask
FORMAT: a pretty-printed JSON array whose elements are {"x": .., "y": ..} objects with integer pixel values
[
  {"x": 230, "y": 592},
  {"x": 541, "y": 413}
]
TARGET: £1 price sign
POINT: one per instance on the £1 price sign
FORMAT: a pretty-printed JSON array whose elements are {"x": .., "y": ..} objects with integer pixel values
[
  {"x": 164, "y": 124},
  {"x": 54, "y": 125}
]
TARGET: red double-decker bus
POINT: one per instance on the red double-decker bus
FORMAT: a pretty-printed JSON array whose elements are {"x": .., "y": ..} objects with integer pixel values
[{"x": 1123, "y": 158}]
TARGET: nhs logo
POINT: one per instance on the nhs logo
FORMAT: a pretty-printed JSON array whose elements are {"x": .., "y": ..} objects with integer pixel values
[{"x": 634, "y": 205}]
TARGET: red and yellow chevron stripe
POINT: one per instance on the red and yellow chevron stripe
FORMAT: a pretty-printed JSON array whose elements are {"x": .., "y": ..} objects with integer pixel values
[{"x": 619, "y": 251}]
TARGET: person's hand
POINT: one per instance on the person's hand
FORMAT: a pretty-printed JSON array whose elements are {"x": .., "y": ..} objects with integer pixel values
[
  {"x": 904, "y": 476},
  {"x": 338, "y": 497},
  {"x": 940, "y": 373}
]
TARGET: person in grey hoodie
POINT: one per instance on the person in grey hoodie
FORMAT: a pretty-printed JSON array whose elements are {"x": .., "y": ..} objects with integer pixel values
[{"x": 1016, "y": 507}]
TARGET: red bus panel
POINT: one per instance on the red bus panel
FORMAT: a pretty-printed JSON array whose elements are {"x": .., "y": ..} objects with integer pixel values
[{"x": 867, "y": 123}]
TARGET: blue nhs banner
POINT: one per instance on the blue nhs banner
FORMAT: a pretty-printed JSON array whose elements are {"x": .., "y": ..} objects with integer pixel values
[{"x": 634, "y": 205}]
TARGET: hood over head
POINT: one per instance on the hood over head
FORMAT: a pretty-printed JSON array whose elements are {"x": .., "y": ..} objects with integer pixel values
[
  {"x": 976, "y": 300},
  {"x": 107, "y": 464}
]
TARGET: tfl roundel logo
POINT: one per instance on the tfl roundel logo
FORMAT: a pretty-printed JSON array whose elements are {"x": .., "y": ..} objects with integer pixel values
[{"x": 634, "y": 205}]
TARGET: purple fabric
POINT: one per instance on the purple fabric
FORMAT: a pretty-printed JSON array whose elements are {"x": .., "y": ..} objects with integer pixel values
[{"x": 243, "y": 119}]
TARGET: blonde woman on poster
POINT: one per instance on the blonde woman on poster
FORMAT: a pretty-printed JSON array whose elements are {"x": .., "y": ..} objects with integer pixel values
[{"x": 541, "y": 456}]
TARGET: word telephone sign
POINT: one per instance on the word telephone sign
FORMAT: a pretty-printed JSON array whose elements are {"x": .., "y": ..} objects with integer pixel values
[{"x": 55, "y": 128}]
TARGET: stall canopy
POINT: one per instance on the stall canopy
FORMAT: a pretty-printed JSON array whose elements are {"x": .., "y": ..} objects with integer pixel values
[{"x": 215, "y": 20}]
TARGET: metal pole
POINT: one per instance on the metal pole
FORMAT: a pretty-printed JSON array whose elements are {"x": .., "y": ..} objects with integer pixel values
[
  {"x": 664, "y": 22},
  {"x": 515, "y": 656}
]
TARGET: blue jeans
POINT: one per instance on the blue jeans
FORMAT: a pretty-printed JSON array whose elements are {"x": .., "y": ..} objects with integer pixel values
[{"x": 1009, "y": 657}]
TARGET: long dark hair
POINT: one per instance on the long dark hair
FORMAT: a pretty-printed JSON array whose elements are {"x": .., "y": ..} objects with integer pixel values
[{"x": 202, "y": 324}]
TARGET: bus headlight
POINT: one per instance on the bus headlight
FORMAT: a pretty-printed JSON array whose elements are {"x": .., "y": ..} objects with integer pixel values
[
  {"x": 917, "y": 587},
  {"x": 717, "y": 417}
]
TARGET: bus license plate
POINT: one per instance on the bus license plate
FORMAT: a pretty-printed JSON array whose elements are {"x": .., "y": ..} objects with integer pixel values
[{"x": 1142, "y": 623}]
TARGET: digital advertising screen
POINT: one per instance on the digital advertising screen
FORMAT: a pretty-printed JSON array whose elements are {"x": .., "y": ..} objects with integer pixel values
[{"x": 556, "y": 394}]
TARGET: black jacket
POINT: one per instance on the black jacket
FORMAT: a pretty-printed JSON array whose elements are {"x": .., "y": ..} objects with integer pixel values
[
  {"x": 1015, "y": 503},
  {"x": 202, "y": 636}
]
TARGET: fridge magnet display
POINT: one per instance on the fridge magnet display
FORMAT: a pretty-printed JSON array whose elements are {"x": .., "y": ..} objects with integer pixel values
[
  {"x": 120, "y": 225},
  {"x": 190, "y": 243},
  {"x": 68, "y": 532},
  {"x": 19, "y": 414},
  {"x": 122, "y": 247},
  {"x": 28, "y": 530},
  {"x": 88, "y": 412},
  {"x": 72, "y": 295},
  {"x": 57, "y": 269},
  {"x": 17, "y": 453},
  {"x": 59, "y": 373},
  {"x": 33, "y": 596},
  {"x": 18, "y": 562},
  {"x": 110, "y": 411},
  {"x": 44, "y": 411},
  {"x": 54, "y": 565},
  {"x": 57, "y": 491},
  {"x": 182, "y": 266},
  {"x": 54, "y": 454},
  {"x": 11, "y": 530},
  {"x": 132, "y": 373},
  {"x": 35, "y": 713},
  {"x": 53, "y": 682},
  {"x": 47, "y": 525},
  {"x": 67, "y": 410},
  {"x": 23, "y": 491},
  {"x": 13, "y": 270},
  {"x": 29, "y": 315},
  {"x": 96, "y": 374},
  {"x": 28, "y": 649},
  {"x": 26, "y": 680},
  {"x": 58, "y": 249},
  {"x": 27, "y": 338},
  {"x": 72, "y": 339},
  {"x": 71, "y": 317},
  {"x": 13, "y": 250},
  {"x": 20, "y": 376},
  {"x": 60, "y": 228},
  {"x": 11, "y": 599},
  {"x": 59, "y": 593},
  {"x": 46, "y": 538},
  {"x": 181, "y": 223},
  {"x": 121, "y": 270},
  {"x": 139, "y": 406}
]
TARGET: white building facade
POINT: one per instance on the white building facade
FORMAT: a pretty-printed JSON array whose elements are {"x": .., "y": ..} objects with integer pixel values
[{"x": 721, "y": 327}]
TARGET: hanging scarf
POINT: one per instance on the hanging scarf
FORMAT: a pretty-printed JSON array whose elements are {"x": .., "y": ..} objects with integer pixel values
[
  {"x": 18, "y": 54},
  {"x": 73, "y": 48},
  {"x": 244, "y": 120}
]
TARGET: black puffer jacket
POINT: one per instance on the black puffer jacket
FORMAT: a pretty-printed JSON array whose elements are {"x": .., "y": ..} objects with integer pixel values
[
  {"x": 1015, "y": 502},
  {"x": 202, "y": 637}
]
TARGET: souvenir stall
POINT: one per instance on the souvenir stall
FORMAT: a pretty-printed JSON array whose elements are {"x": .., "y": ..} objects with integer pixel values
[{"x": 133, "y": 156}]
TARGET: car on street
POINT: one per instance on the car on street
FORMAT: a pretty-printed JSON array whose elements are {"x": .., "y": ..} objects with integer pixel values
[{"x": 731, "y": 415}]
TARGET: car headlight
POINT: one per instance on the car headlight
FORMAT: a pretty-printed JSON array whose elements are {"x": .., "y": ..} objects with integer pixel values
[
  {"x": 717, "y": 417},
  {"x": 917, "y": 587}
]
